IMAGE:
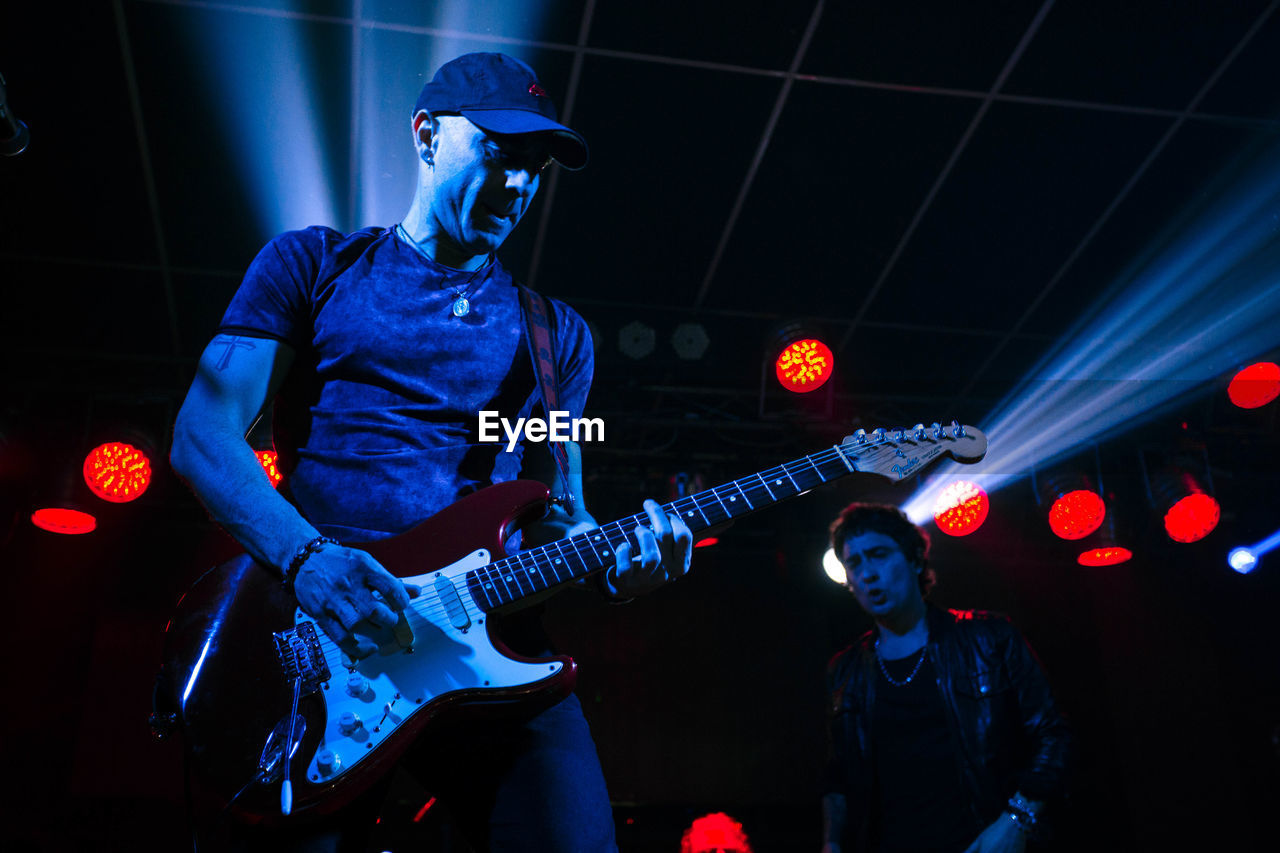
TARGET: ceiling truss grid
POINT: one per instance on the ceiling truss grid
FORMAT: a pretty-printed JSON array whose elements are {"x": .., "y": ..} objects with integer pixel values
[
  {"x": 1119, "y": 198},
  {"x": 945, "y": 172}
]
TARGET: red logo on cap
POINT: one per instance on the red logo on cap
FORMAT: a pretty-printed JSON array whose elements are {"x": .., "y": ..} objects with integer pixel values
[{"x": 537, "y": 91}]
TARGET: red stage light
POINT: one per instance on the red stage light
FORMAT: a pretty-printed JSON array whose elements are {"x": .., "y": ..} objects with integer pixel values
[
  {"x": 715, "y": 833},
  {"x": 1077, "y": 514},
  {"x": 1192, "y": 518},
  {"x": 707, "y": 543},
  {"x": 961, "y": 508},
  {"x": 1105, "y": 557},
  {"x": 117, "y": 472},
  {"x": 804, "y": 365},
  {"x": 1255, "y": 385},
  {"x": 63, "y": 520},
  {"x": 268, "y": 459}
]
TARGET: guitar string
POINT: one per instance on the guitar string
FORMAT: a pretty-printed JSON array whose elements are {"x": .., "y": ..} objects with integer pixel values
[
  {"x": 495, "y": 572},
  {"x": 581, "y": 544}
]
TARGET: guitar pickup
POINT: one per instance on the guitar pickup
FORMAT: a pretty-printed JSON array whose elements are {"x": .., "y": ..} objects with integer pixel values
[{"x": 452, "y": 602}]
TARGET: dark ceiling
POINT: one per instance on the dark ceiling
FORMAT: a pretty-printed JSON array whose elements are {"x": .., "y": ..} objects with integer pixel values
[{"x": 941, "y": 188}]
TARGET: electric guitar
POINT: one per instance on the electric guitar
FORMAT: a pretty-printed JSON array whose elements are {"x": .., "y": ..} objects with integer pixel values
[{"x": 277, "y": 721}]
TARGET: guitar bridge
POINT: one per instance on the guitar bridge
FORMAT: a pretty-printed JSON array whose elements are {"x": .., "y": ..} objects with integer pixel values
[{"x": 300, "y": 656}]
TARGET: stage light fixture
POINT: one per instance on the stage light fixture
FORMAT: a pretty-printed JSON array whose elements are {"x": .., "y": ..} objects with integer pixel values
[
  {"x": 1245, "y": 559},
  {"x": 64, "y": 519},
  {"x": 715, "y": 833},
  {"x": 1242, "y": 560},
  {"x": 116, "y": 471},
  {"x": 1256, "y": 385},
  {"x": 1105, "y": 547},
  {"x": 803, "y": 365},
  {"x": 1190, "y": 511},
  {"x": 1075, "y": 507},
  {"x": 636, "y": 340},
  {"x": 961, "y": 508},
  {"x": 61, "y": 509},
  {"x": 690, "y": 341},
  {"x": 833, "y": 568}
]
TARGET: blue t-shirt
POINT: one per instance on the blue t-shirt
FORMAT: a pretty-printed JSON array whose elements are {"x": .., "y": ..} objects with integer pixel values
[{"x": 377, "y": 422}]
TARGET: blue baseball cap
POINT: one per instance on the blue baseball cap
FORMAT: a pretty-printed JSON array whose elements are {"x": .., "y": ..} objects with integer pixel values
[{"x": 501, "y": 94}]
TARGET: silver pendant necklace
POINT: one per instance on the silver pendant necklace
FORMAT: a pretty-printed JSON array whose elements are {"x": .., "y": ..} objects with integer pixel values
[
  {"x": 890, "y": 678},
  {"x": 461, "y": 305}
]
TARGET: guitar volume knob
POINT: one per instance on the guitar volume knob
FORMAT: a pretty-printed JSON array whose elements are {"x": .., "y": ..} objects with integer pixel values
[
  {"x": 327, "y": 761},
  {"x": 349, "y": 722},
  {"x": 357, "y": 684}
]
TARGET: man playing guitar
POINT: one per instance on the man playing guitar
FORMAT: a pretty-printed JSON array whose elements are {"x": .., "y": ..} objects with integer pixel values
[{"x": 379, "y": 349}]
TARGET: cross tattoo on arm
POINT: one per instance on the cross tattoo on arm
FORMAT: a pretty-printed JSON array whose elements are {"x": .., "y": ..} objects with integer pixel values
[{"x": 231, "y": 342}]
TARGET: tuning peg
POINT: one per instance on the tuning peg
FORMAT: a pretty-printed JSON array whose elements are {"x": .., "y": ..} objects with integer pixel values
[
  {"x": 957, "y": 430},
  {"x": 899, "y": 434},
  {"x": 918, "y": 432},
  {"x": 878, "y": 433},
  {"x": 937, "y": 431},
  {"x": 860, "y": 436}
]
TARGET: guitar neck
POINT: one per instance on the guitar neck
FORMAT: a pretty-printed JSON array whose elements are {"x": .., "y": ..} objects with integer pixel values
[{"x": 893, "y": 455}]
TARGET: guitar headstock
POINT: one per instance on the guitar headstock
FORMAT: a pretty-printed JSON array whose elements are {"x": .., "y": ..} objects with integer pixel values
[{"x": 901, "y": 453}]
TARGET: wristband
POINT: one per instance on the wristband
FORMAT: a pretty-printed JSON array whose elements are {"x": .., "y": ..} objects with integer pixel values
[
  {"x": 1019, "y": 810},
  {"x": 303, "y": 554}
]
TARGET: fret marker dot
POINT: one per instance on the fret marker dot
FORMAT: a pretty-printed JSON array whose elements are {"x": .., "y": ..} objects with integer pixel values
[
  {"x": 777, "y": 482},
  {"x": 732, "y": 499}
]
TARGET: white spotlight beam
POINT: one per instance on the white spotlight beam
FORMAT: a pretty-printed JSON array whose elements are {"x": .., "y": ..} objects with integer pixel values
[{"x": 1205, "y": 300}]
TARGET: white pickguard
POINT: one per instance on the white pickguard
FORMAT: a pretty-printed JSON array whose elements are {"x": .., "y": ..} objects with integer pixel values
[{"x": 442, "y": 659}]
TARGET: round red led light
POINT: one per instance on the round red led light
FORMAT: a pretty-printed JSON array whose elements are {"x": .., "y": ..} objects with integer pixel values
[
  {"x": 1192, "y": 518},
  {"x": 268, "y": 459},
  {"x": 1077, "y": 514},
  {"x": 58, "y": 519},
  {"x": 961, "y": 508},
  {"x": 1105, "y": 557},
  {"x": 804, "y": 365},
  {"x": 1255, "y": 385},
  {"x": 117, "y": 472}
]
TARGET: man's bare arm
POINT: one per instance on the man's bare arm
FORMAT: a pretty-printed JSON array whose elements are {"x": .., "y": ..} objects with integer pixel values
[
  {"x": 340, "y": 587},
  {"x": 236, "y": 379}
]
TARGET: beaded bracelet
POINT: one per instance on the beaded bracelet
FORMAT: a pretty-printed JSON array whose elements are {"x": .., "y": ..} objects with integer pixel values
[
  {"x": 303, "y": 554},
  {"x": 1023, "y": 817},
  {"x": 1024, "y": 821}
]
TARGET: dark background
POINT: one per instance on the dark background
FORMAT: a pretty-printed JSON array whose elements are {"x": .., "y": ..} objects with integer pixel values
[{"x": 943, "y": 189}]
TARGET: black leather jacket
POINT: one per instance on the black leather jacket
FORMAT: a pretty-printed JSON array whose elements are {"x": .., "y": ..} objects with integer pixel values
[{"x": 1007, "y": 729}]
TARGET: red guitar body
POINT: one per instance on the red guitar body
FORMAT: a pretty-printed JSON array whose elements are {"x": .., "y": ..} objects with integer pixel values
[{"x": 238, "y": 644}]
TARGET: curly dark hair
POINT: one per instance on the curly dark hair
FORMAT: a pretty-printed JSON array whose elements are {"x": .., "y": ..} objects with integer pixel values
[{"x": 858, "y": 518}]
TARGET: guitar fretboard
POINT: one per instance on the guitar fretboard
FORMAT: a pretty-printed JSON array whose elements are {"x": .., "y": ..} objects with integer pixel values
[{"x": 538, "y": 569}]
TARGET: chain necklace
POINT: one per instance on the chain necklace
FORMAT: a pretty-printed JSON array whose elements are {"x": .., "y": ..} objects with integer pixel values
[
  {"x": 461, "y": 306},
  {"x": 885, "y": 669}
]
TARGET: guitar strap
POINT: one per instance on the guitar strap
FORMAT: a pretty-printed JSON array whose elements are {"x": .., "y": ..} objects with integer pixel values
[{"x": 542, "y": 352}]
